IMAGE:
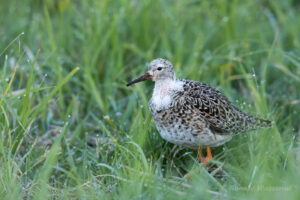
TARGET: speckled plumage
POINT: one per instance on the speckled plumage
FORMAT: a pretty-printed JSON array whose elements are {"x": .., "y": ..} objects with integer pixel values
[{"x": 194, "y": 114}]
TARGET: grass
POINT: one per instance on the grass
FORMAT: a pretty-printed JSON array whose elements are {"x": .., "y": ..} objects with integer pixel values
[{"x": 71, "y": 129}]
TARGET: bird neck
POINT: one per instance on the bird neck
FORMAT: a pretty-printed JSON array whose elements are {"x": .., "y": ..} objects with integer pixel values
[
  {"x": 163, "y": 84},
  {"x": 164, "y": 87}
]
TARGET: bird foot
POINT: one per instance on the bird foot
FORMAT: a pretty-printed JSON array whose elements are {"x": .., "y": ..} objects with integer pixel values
[{"x": 208, "y": 157}]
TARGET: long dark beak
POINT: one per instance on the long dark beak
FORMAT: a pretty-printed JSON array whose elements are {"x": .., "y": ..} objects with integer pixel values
[{"x": 139, "y": 79}]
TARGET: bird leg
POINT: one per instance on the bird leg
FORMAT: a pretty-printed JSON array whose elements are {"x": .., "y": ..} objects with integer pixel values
[
  {"x": 202, "y": 159},
  {"x": 208, "y": 155}
]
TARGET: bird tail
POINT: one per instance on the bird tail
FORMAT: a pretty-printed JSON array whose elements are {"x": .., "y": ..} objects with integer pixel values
[{"x": 253, "y": 122}]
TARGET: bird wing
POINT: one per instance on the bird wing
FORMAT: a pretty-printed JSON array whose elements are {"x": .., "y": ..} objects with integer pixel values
[{"x": 220, "y": 114}]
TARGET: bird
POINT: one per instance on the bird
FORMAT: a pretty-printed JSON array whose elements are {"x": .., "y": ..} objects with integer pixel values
[{"x": 193, "y": 114}]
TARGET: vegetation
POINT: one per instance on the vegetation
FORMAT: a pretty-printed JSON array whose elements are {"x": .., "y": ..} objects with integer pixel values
[{"x": 71, "y": 129}]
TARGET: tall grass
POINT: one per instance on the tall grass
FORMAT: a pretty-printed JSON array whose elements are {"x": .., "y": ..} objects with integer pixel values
[{"x": 70, "y": 128}]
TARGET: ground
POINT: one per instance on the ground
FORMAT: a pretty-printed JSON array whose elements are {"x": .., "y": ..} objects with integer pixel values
[{"x": 70, "y": 128}]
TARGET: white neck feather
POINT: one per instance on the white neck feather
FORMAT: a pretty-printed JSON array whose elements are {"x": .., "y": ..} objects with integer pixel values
[{"x": 162, "y": 94}]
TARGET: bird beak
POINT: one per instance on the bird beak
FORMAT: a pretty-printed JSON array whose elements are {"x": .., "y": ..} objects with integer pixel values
[{"x": 139, "y": 79}]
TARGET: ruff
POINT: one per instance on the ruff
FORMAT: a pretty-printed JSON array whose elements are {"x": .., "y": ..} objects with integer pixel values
[{"x": 191, "y": 113}]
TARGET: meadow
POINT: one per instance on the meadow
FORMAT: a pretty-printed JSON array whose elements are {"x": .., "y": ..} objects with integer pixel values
[{"x": 71, "y": 129}]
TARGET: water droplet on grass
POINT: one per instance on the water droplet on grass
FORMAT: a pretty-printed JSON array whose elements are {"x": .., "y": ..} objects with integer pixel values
[
  {"x": 225, "y": 19},
  {"x": 118, "y": 114}
]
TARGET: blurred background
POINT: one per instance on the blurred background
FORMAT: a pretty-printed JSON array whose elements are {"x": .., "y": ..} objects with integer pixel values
[{"x": 70, "y": 128}]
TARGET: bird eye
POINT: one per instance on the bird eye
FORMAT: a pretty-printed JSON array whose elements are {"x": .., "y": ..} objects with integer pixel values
[{"x": 159, "y": 68}]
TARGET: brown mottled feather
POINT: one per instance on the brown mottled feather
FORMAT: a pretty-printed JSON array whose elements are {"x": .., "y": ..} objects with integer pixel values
[{"x": 222, "y": 116}]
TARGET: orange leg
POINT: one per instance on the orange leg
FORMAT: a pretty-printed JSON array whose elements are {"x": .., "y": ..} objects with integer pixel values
[
  {"x": 203, "y": 160},
  {"x": 200, "y": 155},
  {"x": 208, "y": 155}
]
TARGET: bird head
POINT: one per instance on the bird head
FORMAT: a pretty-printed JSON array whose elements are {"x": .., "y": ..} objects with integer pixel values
[{"x": 158, "y": 70}]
